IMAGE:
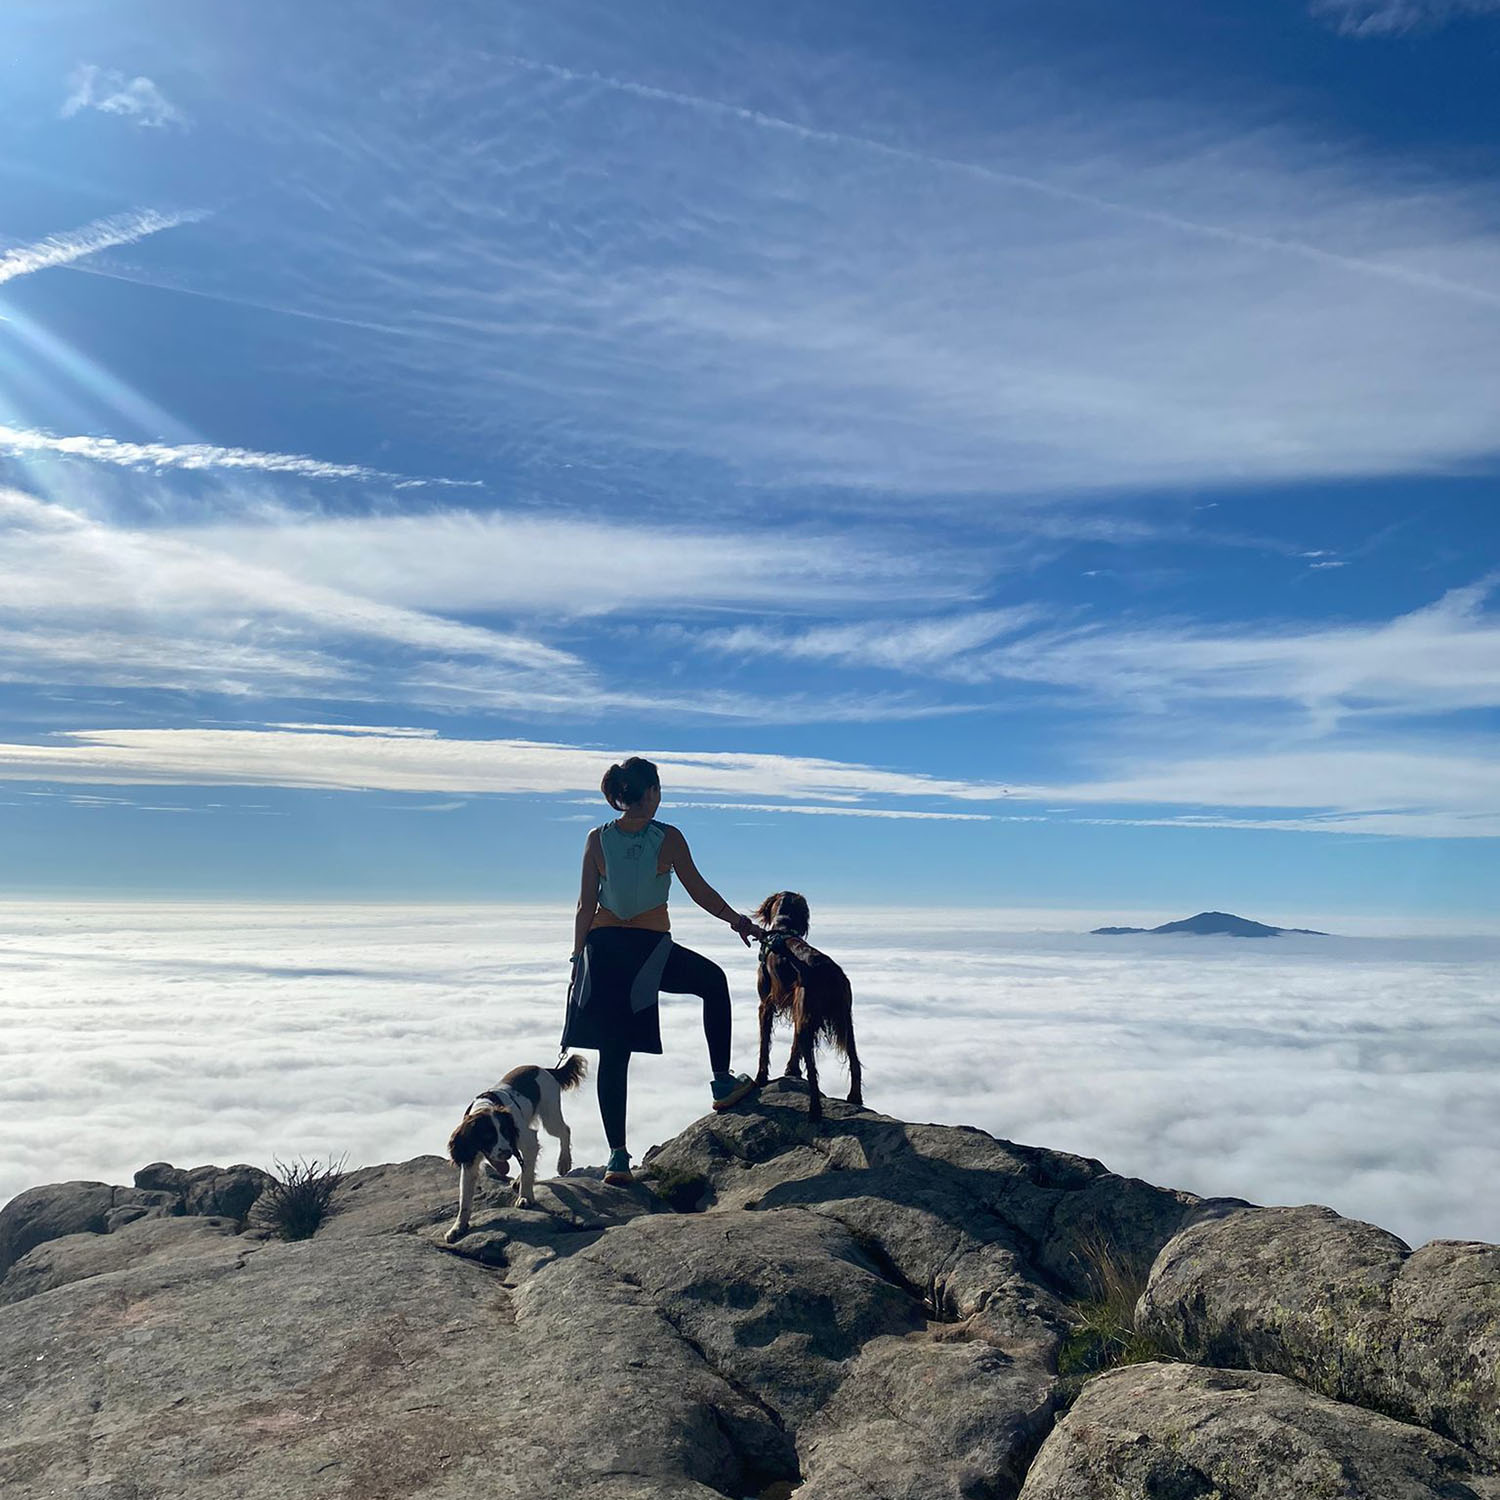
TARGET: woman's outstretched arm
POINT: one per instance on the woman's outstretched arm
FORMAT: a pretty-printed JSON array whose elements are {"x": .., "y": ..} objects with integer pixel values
[
  {"x": 588, "y": 894},
  {"x": 700, "y": 890}
]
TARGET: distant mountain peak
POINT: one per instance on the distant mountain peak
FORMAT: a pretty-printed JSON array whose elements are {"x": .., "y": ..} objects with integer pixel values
[{"x": 1212, "y": 924}]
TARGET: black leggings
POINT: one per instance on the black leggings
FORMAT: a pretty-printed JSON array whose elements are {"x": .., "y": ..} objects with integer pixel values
[{"x": 686, "y": 973}]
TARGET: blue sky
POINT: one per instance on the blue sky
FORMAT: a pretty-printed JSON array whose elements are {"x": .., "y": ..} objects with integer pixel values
[{"x": 1033, "y": 455}]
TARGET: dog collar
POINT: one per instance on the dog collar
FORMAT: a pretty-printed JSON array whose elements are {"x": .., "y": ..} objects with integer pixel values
[{"x": 501, "y": 1097}]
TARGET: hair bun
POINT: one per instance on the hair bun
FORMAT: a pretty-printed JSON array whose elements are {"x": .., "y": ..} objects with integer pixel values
[{"x": 624, "y": 785}]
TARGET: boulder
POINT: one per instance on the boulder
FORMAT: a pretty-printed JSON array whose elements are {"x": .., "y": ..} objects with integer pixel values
[
  {"x": 957, "y": 1211},
  {"x": 45, "y": 1213},
  {"x": 929, "y": 1418},
  {"x": 1177, "y": 1432},
  {"x": 400, "y": 1197},
  {"x": 229, "y": 1191},
  {"x": 162, "y": 1176},
  {"x": 77, "y": 1257},
  {"x": 139, "y": 1203},
  {"x": 1343, "y": 1307},
  {"x": 160, "y": 1191}
]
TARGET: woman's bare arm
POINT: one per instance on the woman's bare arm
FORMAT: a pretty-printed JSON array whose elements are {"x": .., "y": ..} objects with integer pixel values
[
  {"x": 588, "y": 893},
  {"x": 676, "y": 850}
]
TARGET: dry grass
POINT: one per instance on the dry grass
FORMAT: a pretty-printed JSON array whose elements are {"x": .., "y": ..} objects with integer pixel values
[
  {"x": 295, "y": 1205},
  {"x": 1104, "y": 1333}
]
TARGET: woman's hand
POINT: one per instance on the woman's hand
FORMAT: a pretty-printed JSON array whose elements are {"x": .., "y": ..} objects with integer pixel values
[{"x": 744, "y": 928}]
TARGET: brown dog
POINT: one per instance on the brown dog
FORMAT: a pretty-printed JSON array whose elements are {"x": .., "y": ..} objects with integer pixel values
[{"x": 796, "y": 981}]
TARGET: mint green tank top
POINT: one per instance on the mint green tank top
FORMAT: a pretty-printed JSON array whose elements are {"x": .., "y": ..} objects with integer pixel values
[{"x": 631, "y": 885}]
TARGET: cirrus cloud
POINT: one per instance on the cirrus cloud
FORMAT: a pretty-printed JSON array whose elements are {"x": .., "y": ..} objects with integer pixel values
[{"x": 103, "y": 234}]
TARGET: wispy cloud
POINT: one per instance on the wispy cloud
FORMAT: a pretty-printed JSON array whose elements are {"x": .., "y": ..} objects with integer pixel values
[
  {"x": 1412, "y": 788},
  {"x": 102, "y": 234},
  {"x": 471, "y": 560},
  {"x": 841, "y": 812},
  {"x": 1035, "y": 309},
  {"x": 372, "y": 762},
  {"x": 365, "y": 610},
  {"x": 203, "y": 456},
  {"x": 1394, "y": 17},
  {"x": 138, "y": 100},
  {"x": 1276, "y": 244},
  {"x": 389, "y": 731},
  {"x": 87, "y": 601},
  {"x": 1417, "y": 790},
  {"x": 921, "y": 645},
  {"x": 1441, "y": 658}
]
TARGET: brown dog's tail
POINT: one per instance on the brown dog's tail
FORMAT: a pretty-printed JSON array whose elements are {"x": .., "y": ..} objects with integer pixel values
[{"x": 571, "y": 1073}]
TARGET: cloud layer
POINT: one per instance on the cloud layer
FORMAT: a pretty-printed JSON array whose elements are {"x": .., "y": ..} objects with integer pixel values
[{"x": 1351, "y": 1072}]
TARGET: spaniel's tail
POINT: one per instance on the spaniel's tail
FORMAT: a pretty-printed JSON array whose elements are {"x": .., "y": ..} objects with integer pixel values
[{"x": 571, "y": 1073}]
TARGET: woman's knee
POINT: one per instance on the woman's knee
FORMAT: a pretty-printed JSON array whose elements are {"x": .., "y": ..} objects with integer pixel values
[
  {"x": 689, "y": 973},
  {"x": 713, "y": 982}
]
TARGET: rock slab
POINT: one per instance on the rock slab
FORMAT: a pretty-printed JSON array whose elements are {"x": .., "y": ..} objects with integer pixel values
[{"x": 866, "y": 1308}]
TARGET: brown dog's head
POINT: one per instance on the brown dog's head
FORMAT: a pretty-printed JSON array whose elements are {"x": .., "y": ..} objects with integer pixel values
[
  {"x": 785, "y": 911},
  {"x": 491, "y": 1134}
]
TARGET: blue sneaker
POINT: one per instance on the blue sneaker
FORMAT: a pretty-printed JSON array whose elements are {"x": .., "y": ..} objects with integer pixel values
[
  {"x": 617, "y": 1173},
  {"x": 730, "y": 1088}
]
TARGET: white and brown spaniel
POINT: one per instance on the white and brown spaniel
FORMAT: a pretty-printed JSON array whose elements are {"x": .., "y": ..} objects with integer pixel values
[{"x": 501, "y": 1123}]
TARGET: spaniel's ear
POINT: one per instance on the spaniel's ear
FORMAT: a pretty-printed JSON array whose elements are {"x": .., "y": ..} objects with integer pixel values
[
  {"x": 475, "y": 1133},
  {"x": 767, "y": 909},
  {"x": 794, "y": 912}
]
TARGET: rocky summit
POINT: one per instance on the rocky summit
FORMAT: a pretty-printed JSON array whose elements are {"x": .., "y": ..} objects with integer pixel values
[{"x": 863, "y": 1309}]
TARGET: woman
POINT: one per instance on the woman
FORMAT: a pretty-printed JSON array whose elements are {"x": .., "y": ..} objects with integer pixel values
[{"x": 623, "y": 952}]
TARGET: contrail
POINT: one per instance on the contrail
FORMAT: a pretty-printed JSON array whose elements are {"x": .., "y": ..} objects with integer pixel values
[
  {"x": 102, "y": 234},
  {"x": 204, "y": 456},
  {"x": 1420, "y": 279}
]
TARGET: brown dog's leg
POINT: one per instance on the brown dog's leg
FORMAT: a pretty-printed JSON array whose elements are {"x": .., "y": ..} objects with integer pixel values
[
  {"x": 797, "y": 1011},
  {"x": 807, "y": 1036},
  {"x": 767, "y": 1016},
  {"x": 856, "y": 1085}
]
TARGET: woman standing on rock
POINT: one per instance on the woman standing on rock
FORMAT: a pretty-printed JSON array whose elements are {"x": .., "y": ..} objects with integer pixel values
[{"x": 623, "y": 952}]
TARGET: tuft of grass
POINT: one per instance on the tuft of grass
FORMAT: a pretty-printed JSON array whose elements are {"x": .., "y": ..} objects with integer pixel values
[
  {"x": 682, "y": 1188},
  {"x": 1104, "y": 1334},
  {"x": 295, "y": 1205}
]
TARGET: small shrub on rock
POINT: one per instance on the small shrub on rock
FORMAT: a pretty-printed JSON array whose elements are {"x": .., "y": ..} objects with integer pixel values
[{"x": 295, "y": 1204}]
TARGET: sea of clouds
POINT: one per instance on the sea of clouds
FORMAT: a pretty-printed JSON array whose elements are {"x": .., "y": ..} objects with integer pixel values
[{"x": 1357, "y": 1072}]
